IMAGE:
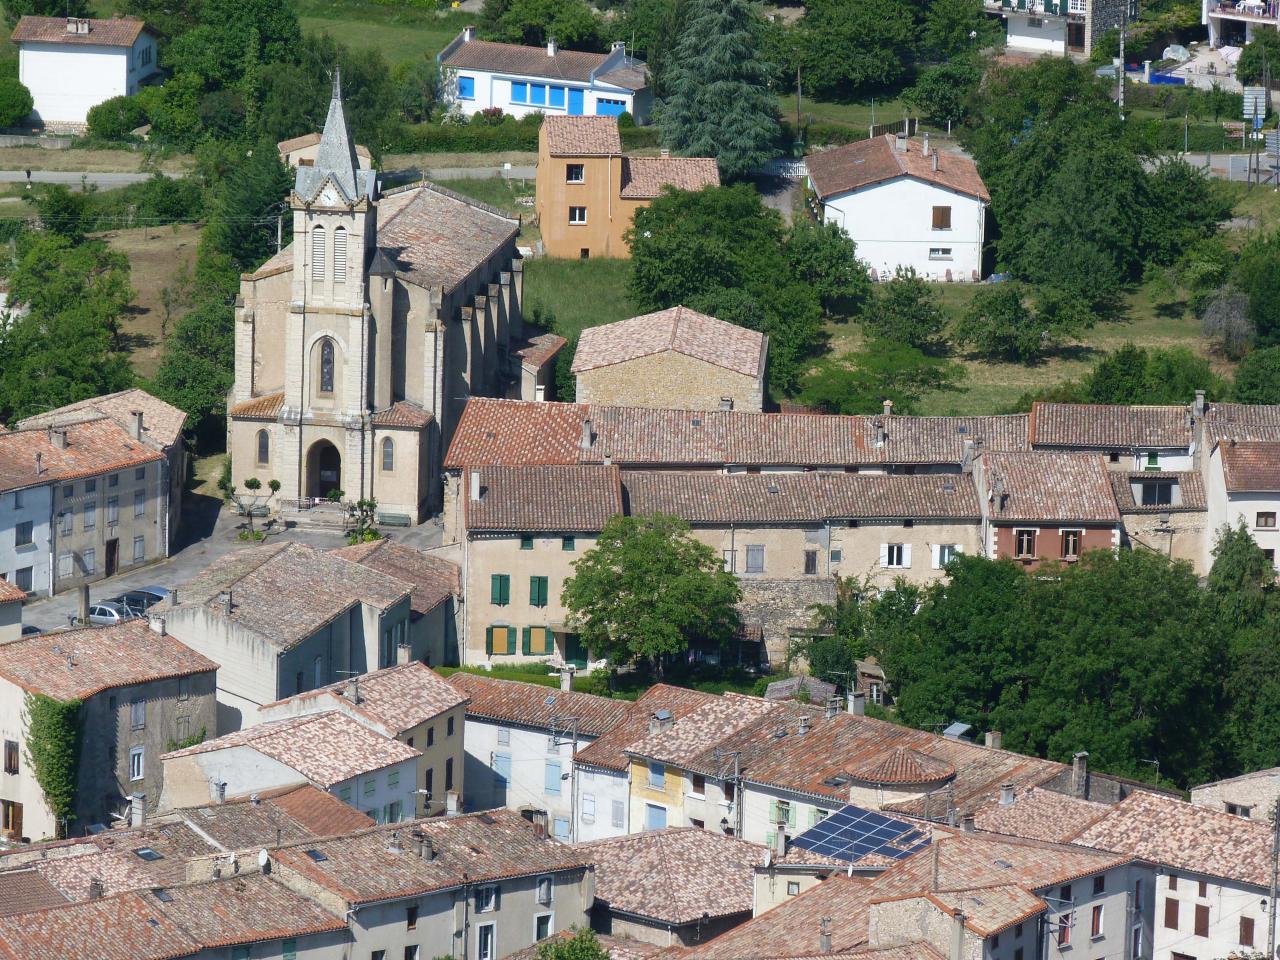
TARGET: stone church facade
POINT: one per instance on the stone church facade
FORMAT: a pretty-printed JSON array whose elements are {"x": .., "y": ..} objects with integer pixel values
[{"x": 357, "y": 345}]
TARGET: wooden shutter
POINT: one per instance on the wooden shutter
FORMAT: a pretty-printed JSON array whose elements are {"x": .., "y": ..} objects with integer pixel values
[
  {"x": 1202, "y": 920},
  {"x": 339, "y": 255},
  {"x": 942, "y": 218},
  {"x": 1246, "y": 931},
  {"x": 884, "y": 554},
  {"x": 488, "y": 641},
  {"x": 906, "y": 554},
  {"x": 317, "y": 253},
  {"x": 791, "y": 814},
  {"x": 1170, "y": 913},
  {"x": 527, "y": 644},
  {"x": 511, "y": 639}
]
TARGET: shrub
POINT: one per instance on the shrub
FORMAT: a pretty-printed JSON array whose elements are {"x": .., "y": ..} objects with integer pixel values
[
  {"x": 15, "y": 102},
  {"x": 113, "y": 119}
]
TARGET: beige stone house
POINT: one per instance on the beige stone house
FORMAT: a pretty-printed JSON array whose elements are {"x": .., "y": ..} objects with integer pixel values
[
  {"x": 358, "y": 343},
  {"x": 302, "y": 152},
  {"x": 675, "y": 358},
  {"x": 140, "y": 691}
]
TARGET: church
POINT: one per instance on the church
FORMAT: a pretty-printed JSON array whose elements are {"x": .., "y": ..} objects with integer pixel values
[{"x": 357, "y": 345}]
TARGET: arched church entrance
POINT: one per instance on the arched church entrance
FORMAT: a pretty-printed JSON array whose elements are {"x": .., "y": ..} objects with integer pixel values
[{"x": 324, "y": 469}]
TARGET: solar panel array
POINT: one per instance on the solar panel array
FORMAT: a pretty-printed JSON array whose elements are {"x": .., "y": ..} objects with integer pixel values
[{"x": 852, "y": 833}]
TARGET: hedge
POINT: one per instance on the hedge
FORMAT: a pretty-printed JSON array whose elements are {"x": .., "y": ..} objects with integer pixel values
[{"x": 1161, "y": 136}]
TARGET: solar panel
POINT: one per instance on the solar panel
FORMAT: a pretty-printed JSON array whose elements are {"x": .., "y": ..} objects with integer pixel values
[{"x": 852, "y": 833}]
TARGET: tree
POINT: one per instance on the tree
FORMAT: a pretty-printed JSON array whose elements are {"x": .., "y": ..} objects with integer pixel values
[
  {"x": 825, "y": 258},
  {"x": 649, "y": 590},
  {"x": 1263, "y": 50},
  {"x": 1135, "y": 375},
  {"x": 1225, "y": 320},
  {"x": 954, "y": 28},
  {"x": 1258, "y": 377},
  {"x": 837, "y": 639},
  {"x": 252, "y": 504},
  {"x": 999, "y": 325},
  {"x": 15, "y": 10},
  {"x": 905, "y": 310},
  {"x": 1257, "y": 274},
  {"x": 15, "y": 102},
  {"x": 243, "y": 221},
  {"x": 197, "y": 368},
  {"x": 572, "y": 24},
  {"x": 885, "y": 370},
  {"x": 942, "y": 92},
  {"x": 62, "y": 212},
  {"x": 851, "y": 48},
  {"x": 1181, "y": 207},
  {"x": 114, "y": 118},
  {"x": 583, "y": 945},
  {"x": 719, "y": 103},
  {"x": 415, "y": 83}
]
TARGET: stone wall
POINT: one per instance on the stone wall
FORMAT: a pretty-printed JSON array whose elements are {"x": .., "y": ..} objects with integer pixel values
[
  {"x": 669, "y": 380},
  {"x": 781, "y": 607}
]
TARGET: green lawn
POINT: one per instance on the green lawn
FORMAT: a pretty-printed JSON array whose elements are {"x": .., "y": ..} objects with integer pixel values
[
  {"x": 400, "y": 33},
  {"x": 503, "y": 194},
  {"x": 577, "y": 293},
  {"x": 858, "y": 114}
]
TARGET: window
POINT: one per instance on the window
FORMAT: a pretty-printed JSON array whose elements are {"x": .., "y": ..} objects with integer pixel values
[
  {"x": 448, "y": 727},
  {"x": 577, "y": 215},
  {"x": 22, "y": 578},
  {"x": 90, "y": 515},
  {"x": 1024, "y": 543},
  {"x": 1246, "y": 931},
  {"x": 793, "y": 888},
  {"x": 64, "y": 565},
  {"x": 69, "y": 491},
  {"x": 411, "y": 917},
  {"x": 289, "y": 949},
  {"x": 411, "y": 952},
  {"x": 326, "y": 365},
  {"x": 568, "y": 544},
  {"x": 137, "y": 714},
  {"x": 895, "y": 555},
  {"x": 618, "y": 816},
  {"x": 139, "y": 549},
  {"x": 1099, "y": 884},
  {"x": 542, "y": 926},
  {"x": 136, "y": 763},
  {"x": 942, "y": 218},
  {"x": 555, "y": 97},
  {"x": 811, "y": 561},
  {"x": 486, "y": 942},
  {"x": 544, "y": 891},
  {"x": 23, "y": 533},
  {"x": 370, "y": 785},
  {"x": 1095, "y": 921},
  {"x": 697, "y": 785},
  {"x": 1267, "y": 520},
  {"x": 182, "y": 729},
  {"x": 504, "y": 736},
  {"x": 1157, "y": 493},
  {"x": 944, "y": 553},
  {"x": 242, "y": 953},
  {"x": 1202, "y": 920},
  {"x": 500, "y": 589},
  {"x": 90, "y": 560},
  {"x": 610, "y": 108},
  {"x": 1173, "y": 881},
  {"x": 729, "y": 560},
  {"x": 113, "y": 511},
  {"x": 657, "y": 776},
  {"x": 837, "y": 556},
  {"x": 584, "y": 253},
  {"x": 431, "y": 736},
  {"x": 184, "y": 688},
  {"x": 1137, "y": 895},
  {"x": 1017, "y": 932},
  {"x": 113, "y": 480},
  {"x": 755, "y": 558},
  {"x": 1170, "y": 913},
  {"x": 538, "y": 94},
  {"x": 1153, "y": 460},
  {"x": 91, "y": 485},
  {"x": 388, "y": 455},
  {"x": 264, "y": 447},
  {"x": 486, "y": 899},
  {"x": 538, "y": 591},
  {"x": 339, "y": 255},
  {"x": 66, "y": 520},
  {"x": 588, "y": 808},
  {"x": 317, "y": 254},
  {"x": 17, "y": 499},
  {"x": 1204, "y": 889},
  {"x": 429, "y": 782},
  {"x": 1070, "y": 544},
  {"x": 11, "y": 756},
  {"x": 140, "y": 473},
  {"x": 139, "y": 503},
  {"x": 467, "y": 88},
  {"x": 574, "y": 173},
  {"x": 551, "y": 778},
  {"x": 655, "y": 817},
  {"x": 1063, "y": 932},
  {"x": 519, "y": 91},
  {"x": 526, "y": 543}
]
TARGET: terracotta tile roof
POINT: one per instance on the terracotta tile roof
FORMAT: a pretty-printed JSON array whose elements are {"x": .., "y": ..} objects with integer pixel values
[
  {"x": 1250, "y": 467},
  {"x": 326, "y": 748},
  {"x": 101, "y": 658},
  {"x": 1051, "y": 487},
  {"x": 162, "y": 423},
  {"x": 287, "y": 591},
  {"x": 116, "y": 32},
  {"x": 907, "y": 766},
  {"x": 526, "y": 61},
  {"x": 25, "y": 890},
  {"x": 1109, "y": 426},
  {"x": 617, "y": 948},
  {"x": 279, "y": 262},
  {"x": 568, "y": 498},
  {"x": 1185, "y": 836},
  {"x": 284, "y": 815},
  {"x": 676, "y": 876},
  {"x": 508, "y": 432},
  {"x": 433, "y": 579},
  {"x": 265, "y": 407},
  {"x": 609, "y": 751},
  {"x": 1190, "y": 483},
  {"x": 320, "y": 813},
  {"x": 1038, "y": 814},
  {"x": 718, "y": 498},
  {"x": 403, "y": 413},
  {"x": 581, "y": 136},
  {"x": 129, "y": 926},
  {"x": 990, "y": 910},
  {"x": 397, "y": 698},
  {"x": 93, "y": 447},
  {"x": 538, "y": 351},
  {"x": 480, "y": 847},
  {"x": 438, "y": 238},
  {"x": 1242, "y": 421},
  {"x": 675, "y": 330},
  {"x": 644, "y": 178},
  {"x": 694, "y": 736},
  {"x": 914, "y": 950},
  {"x": 866, "y": 162},
  {"x": 11, "y": 594},
  {"x": 243, "y": 909},
  {"x": 533, "y": 705}
]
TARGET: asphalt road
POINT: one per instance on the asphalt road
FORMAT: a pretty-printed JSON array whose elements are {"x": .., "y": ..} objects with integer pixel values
[{"x": 73, "y": 178}]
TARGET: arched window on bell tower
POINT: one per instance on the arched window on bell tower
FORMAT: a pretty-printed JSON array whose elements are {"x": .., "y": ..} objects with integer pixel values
[
  {"x": 318, "y": 254},
  {"x": 326, "y": 365},
  {"x": 339, "y": 255}
]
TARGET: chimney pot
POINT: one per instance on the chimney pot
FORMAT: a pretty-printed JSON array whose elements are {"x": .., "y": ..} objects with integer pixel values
[
  {"x": 58, "y": 435},
  {"x": 967, "y": 823},
  {"x": 1199, "y": 404},
  {"x": 96, "y": 889},
  {"x": 1080, "y": 775},
  {"x": 135, "y": 424},
  {"x": 551, "y": 46},
  {"x": 933, "y": 161},
  {"x": 566, "y": 678},
  {"x": 804, "y": 724},
  {"x": 888, "y": 408},
  {"x": 858, "y": 703},
  {"x": 901, "y": 143},
  {"x": 404, "y": 653},
  {"x": 588, "y": 438},
  {"x": 468, "y": 34},
  {"x": 157, "y": 625},
  {"x": 957, "y": 936},
  {"x": 451, "y": 805},
  {"x": 666, "y": 152},
  {"x": 833, "y": 707},
  {"x": 393, "y": 843},
  {"x": 39, "y": 463},
  {"x": 221, "y": 791},
  {"x": 925, "y": 148},
  {"x": 353, "y": 689},
  {"x": 780, "y": 840},
  {"x": 1006, "y": 794},
  {"x": 476, "y": 494},
  {"x": 993, "y": 739}
]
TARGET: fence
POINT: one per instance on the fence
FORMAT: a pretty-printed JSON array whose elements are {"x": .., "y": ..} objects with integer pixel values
[
  {"x": 48, "y": 143},
  {"x": 907, "y": 125}
]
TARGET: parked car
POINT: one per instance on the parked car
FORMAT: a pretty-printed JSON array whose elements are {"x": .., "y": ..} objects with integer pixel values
[
  {"x": 107, "y": 612},
  {"x": 142, "y": 599}
]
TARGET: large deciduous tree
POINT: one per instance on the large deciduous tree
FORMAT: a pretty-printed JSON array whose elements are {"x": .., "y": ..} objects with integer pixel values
[{"x": 853, "y": 48}]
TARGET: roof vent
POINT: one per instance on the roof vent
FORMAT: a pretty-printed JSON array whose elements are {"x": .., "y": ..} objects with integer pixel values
[
  {"x": 696, "y": 421},
  {"x": 804, "y": 725},
  {"x": 393, "y": 844},
  {"x": 1006, "y": 794}
]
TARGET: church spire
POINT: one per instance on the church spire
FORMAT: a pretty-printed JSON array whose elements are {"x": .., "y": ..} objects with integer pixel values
[{"x": 336, "y": 158}]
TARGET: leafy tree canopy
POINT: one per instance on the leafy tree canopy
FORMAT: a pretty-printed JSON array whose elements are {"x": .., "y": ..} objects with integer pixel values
[
  {"x": 905, "y": 309},
  {"x": 15, "y": 102},
  {"x": 583, "y": 945},
  {"x": 1258, "y": 377},
  {"x": 852, "y": 48},
  {"x": 885, "y": 370}
]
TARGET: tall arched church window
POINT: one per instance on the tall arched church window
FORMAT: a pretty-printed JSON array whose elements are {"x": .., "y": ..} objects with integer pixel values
[
  {"x": 317, "y": 253},
  {"x": 388, "y": 455},
  {"x": 264, "y": 447},
  {"x": 339, "y": 255},
  {"x": 326, "y": 366}
]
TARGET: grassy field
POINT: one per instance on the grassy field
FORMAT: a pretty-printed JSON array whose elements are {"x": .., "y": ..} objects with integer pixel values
[
  {"x": 400, "y": 33},
  {"x": 577, "y": 293},
  {"x": 853, "y": 114},
  {"x": 91, "y": 161},
  {"x": 426, "y": 162}
]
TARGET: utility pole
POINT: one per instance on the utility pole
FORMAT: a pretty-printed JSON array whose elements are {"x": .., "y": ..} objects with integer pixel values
[
  {"x": 1124, "y": 23},
  {"x": 1275, "y": 863}
]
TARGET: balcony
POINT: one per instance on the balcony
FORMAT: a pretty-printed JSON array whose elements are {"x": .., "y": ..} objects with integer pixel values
[
  {"x": 1072, "y": 9},
  {"x": 1246, "y": 10}
]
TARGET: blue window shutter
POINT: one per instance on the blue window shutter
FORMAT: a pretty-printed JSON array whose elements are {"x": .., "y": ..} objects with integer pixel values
[
  {"x": 538, "y": 94},
  {"x": 555, "y": 96},
  {"x": 551, "y": 778},
  {"x": 467, "y": 88},
  {"x": 575, "y": 103},
  {"x": 519, "y": 92}
]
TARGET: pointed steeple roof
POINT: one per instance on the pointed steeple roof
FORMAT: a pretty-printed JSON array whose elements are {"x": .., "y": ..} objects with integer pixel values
[{"x": 336, "y": 159}]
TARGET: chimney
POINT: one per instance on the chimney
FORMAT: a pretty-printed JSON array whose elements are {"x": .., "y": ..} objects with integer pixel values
[
  {"x": 588, "y": 438},
  {"x": 804, "y": 724},
  {"x": 833, "y": 706},
  {"x": 539, "y": 822},
  {"x": 157, "y": 625},
  {"x": 666, "y": 154},
  {"x": 476, "y": 494},
  {"x": 933, "y": 161},
  {"x": 967, "y": 823},
  {"x": 1006, "y": 794},
  {"x": 58, "y": 437},
  {"x": 993, "y": 739},
  {"x": 925, "y": 148},
  {"x": 135, "y": 424},
  {"x": 353, "y": 689},
  {"x": 997, "y": 491},
  {"x": 1199, "y": 404},
  {"x": 824, "y": 935},
  {"x": 900, "y": 143},
  {"x": 551, "y": 46},
  {"x": 966, "y": 458},
  {"x": 137, "y": 809},
  {"x": 879, "y": 432},
  {"x": 255, "y": 799},
  {"x": 779, "y": 840},
  {"x": 661, "y": 721},
  {"x": 220, "y": 791},
  {"x": 224, "y": 603},
  {"x": 452, "y": 804},
  {"x": 39, "y": 463},
  {"x": 857, "y": 703},
  {"x": 888, "y": 408},
  {"x": 566, "y": 679},
  {"x": 404, "y": 653},
  {"x": 96, "y": 889},
  {"x": 957, "y": 936},
  {"x": 620, "y": 45},
  {"x": 468, "y": 34},
  {"x": 1080, "y": 775},
  {"x": 393, "y": 843}
]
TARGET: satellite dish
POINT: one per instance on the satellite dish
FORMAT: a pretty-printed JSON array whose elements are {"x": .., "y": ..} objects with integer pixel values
[{"x": 264, "y": 858}]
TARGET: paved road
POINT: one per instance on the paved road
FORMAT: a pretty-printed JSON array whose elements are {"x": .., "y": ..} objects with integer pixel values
[
  {"x": 74, "y": 178},
  {"x": 211, "y": 533}
]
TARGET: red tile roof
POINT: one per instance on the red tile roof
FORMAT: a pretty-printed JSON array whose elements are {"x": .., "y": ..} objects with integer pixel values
[
  {"x": 1241, "y": 421},
  {"x": 403, "y": 413},
  {"x": 609, "y": 751},
  {"x": 116, "y": 32},
  {"x": 1189, "y": 483},
  {"x": 1038, "y": 814},
  {"x": 162, "y": 422},
  {"x": 433, "y": 579},
  {"x": 283, "y": 815},
  {"x": 533, "y": 705},
  {"x": 11, "y": 594},
  {"x": 867, "y": 162},
  {"x": 243, "y": 909},
  {"x": 130, "y": 926},
  {"x": 617, "y": 948},
  {"x": 1050, "y": 487},
  {"x": 581, "y": 136},
  {"x": 93, "y": 447},
  {"x": 538, "y": 351},
  {"x": 265, "y": 407},
  {"x": 644, "y": 178},
  {"x": 560, "y": 498},
  {"x": 25, "y": 890},
  {"x": 675, "y": 330},
  {"x": 75, "y": 664},
  {"x": 1109, "y": 426},
  {"x": 1250, "y": 467},
  {"x": 906, "y": 766}
]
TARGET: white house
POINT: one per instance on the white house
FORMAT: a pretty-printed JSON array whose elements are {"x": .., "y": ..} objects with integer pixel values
[
  {"x": 904, "y": 204},
  {"x": 479, "y": 74},
  {"x": 1242, "y": 485},
  {"x": 25, "y": 521},
  {"x": 71, "y": 64}
]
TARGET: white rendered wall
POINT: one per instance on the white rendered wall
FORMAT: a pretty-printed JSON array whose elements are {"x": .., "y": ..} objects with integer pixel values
[
  {"x": 1050, "y": 37},
  {"x": 493, "y": 90},
  {"x": 66, "y": 81},
  {"x": 601, "y": 788}
]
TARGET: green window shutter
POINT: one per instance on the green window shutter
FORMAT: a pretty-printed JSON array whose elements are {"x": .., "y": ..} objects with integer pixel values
[
  {"x": 526, "y": 543},
  {"x": 791, "y": 815},
  {"x": 773, "y": 812},
  {"x": 768, "y": 838},
  {"x": 813, "y": 816},
  {"x": 527, "y": 644},
  {"x": 495, "y": 588},
  {"x": 511, "y": 639},
  {"x": 488, "y": 641}
]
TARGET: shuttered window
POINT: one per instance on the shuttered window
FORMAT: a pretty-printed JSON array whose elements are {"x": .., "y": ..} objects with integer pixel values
[
  {"x": 1171, "y": 913},
  {"x": 339, "y": 255},
  {"x": 1202, "y": 920},
  {"x": 536, "y": 642},
  {"x": 500, "y": 589},
  {"x": 538, "y": 591},
  {"x": 942, "y": 218},
  {"x": 317, "y": 253},
  {"x": 500, "y": 641}
]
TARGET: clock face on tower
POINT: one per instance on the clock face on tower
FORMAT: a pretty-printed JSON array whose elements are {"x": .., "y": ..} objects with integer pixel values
[{"x": 329, "y": 196}]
